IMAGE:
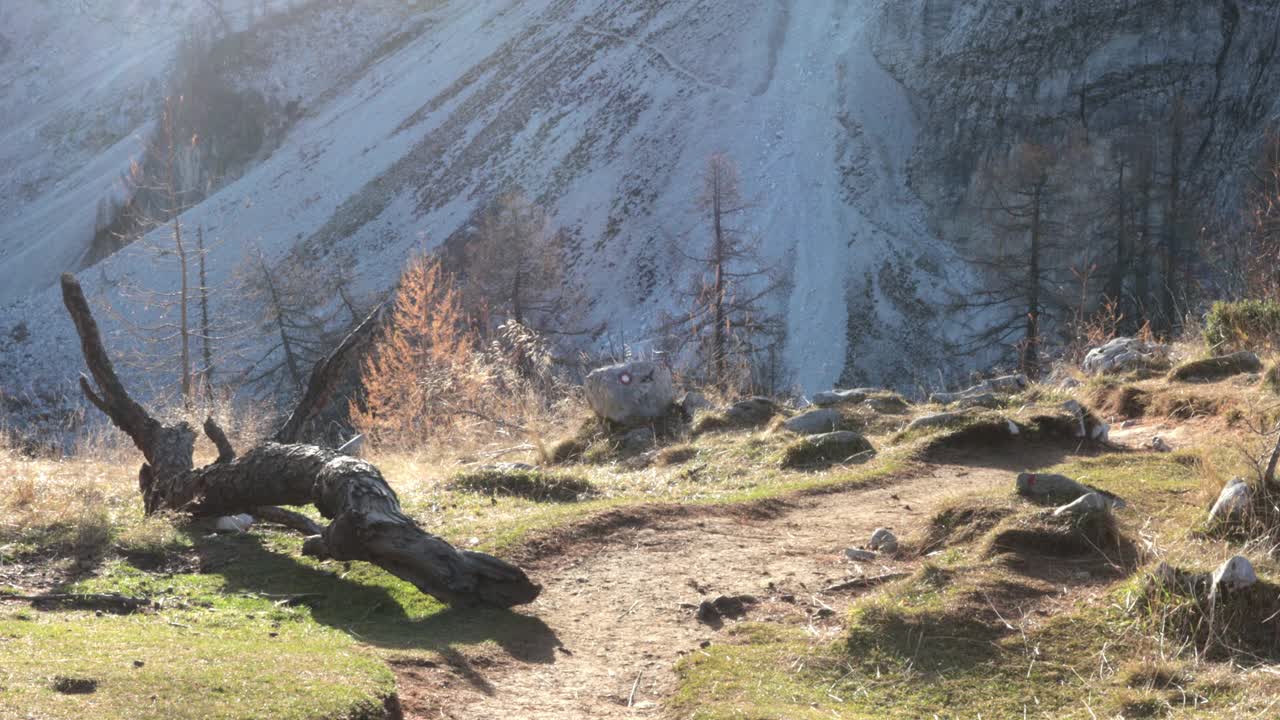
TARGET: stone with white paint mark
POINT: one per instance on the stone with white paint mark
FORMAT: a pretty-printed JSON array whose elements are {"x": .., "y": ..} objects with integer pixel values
[{"x": 629, "y": 394}]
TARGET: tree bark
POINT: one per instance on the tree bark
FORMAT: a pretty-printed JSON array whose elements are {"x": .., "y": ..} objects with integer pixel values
[{"x": 366, "y": 521}]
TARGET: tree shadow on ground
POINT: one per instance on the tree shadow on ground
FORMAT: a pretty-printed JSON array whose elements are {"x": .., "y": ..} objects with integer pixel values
[{"x": 372, "y": 606}]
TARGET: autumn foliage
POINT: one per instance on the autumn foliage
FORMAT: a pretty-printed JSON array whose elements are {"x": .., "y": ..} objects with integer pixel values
[{"x": 418, "y": 368}]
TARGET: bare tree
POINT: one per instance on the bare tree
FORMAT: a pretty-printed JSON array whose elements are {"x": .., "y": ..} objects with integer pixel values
[
  {"x": 732, "y": 284},
  {"x": 287, "y": 300},
  {"x": 366, "y": 520},
  {"x": 515, "y": 267},
  {"x": 1019, "y": 293}
]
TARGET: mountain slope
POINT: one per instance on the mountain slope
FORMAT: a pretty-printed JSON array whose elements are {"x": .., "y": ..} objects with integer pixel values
[{"x": 605, "y": 114}]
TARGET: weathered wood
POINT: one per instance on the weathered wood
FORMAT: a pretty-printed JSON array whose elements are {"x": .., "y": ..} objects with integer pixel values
[
  {"x": 327, "y": 376},
  {"x": 366, "y": 521}
]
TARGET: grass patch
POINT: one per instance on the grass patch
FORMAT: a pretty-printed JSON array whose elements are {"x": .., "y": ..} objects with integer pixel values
[
  {"x": 820, "y": 451},
  {"x": 1216, "y": 368},
  {"x": 141, "y": 667},
  {"x": 527, "y": 483}
]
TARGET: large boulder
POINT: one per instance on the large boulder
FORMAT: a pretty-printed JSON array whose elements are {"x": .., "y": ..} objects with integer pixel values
[
  {"x": 1124, "y": 355},
  {"x": 631, "y": 394},
  {"x": 814, "y": 422}
]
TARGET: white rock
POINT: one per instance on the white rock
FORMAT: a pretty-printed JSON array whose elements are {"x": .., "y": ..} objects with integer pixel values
[
  {"x": 814, "y": 422},
  {"x": 1006, "y": 385},
  {"x": 1233, "y": 502},
  {"x": 234, "y": 524},
  {"x": 633, "y": 393},
  {"x": 1084, "y": 505},
  {"x": 1125, "y": 354},
  {"x": 1234, "y": 574}
]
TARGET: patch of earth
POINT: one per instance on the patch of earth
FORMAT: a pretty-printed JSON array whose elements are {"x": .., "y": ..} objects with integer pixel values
[{"x": 622, "y": 606}]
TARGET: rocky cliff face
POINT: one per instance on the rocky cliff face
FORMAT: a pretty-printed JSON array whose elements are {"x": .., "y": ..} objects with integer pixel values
[{"x": 987, "y": 75}]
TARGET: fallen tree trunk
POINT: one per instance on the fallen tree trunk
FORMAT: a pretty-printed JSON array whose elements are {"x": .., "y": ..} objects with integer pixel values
[{"x": 366, "y": 522}]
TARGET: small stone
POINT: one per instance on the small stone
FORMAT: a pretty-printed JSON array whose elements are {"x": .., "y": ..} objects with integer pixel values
[
  {"x": 1232, "y": 576},
  {"x": 859, "y": 555},
  {"x": 1043, "y": 486},
  {"x": 937, "y": 420},
  {"x": 234, "y": 524},
  {"x": 814, "y": 422},
  {"x": 1232, "y": 504},
  {"x": 884, "y": 541},
  {"x": 1085, "y": 505},
  {"x": 1125, "y": 354},
  {"x": 1159, "y": 444},
  {"x": 839, "y": 397}
]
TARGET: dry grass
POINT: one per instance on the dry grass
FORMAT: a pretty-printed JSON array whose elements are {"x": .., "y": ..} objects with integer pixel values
[{"x": 63, "y": 507}]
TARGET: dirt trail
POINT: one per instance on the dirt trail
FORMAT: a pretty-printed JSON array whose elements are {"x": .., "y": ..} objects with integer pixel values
[{"x": 616, "y": 607}]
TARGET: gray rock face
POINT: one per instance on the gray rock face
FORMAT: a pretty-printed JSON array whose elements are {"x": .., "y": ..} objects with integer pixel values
[
  {"x": 1086, "y": 504},
  {"x": 1232, "y": 504},
  {"x": 630, "y": 393},
  {"x": 1124, "y": 355},
  {"x": 814, "y": 422},
  {"x": 1233, "y": 575},
  {"x": 832, "y": 398},
  {"x": 988, "y": 74}
]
